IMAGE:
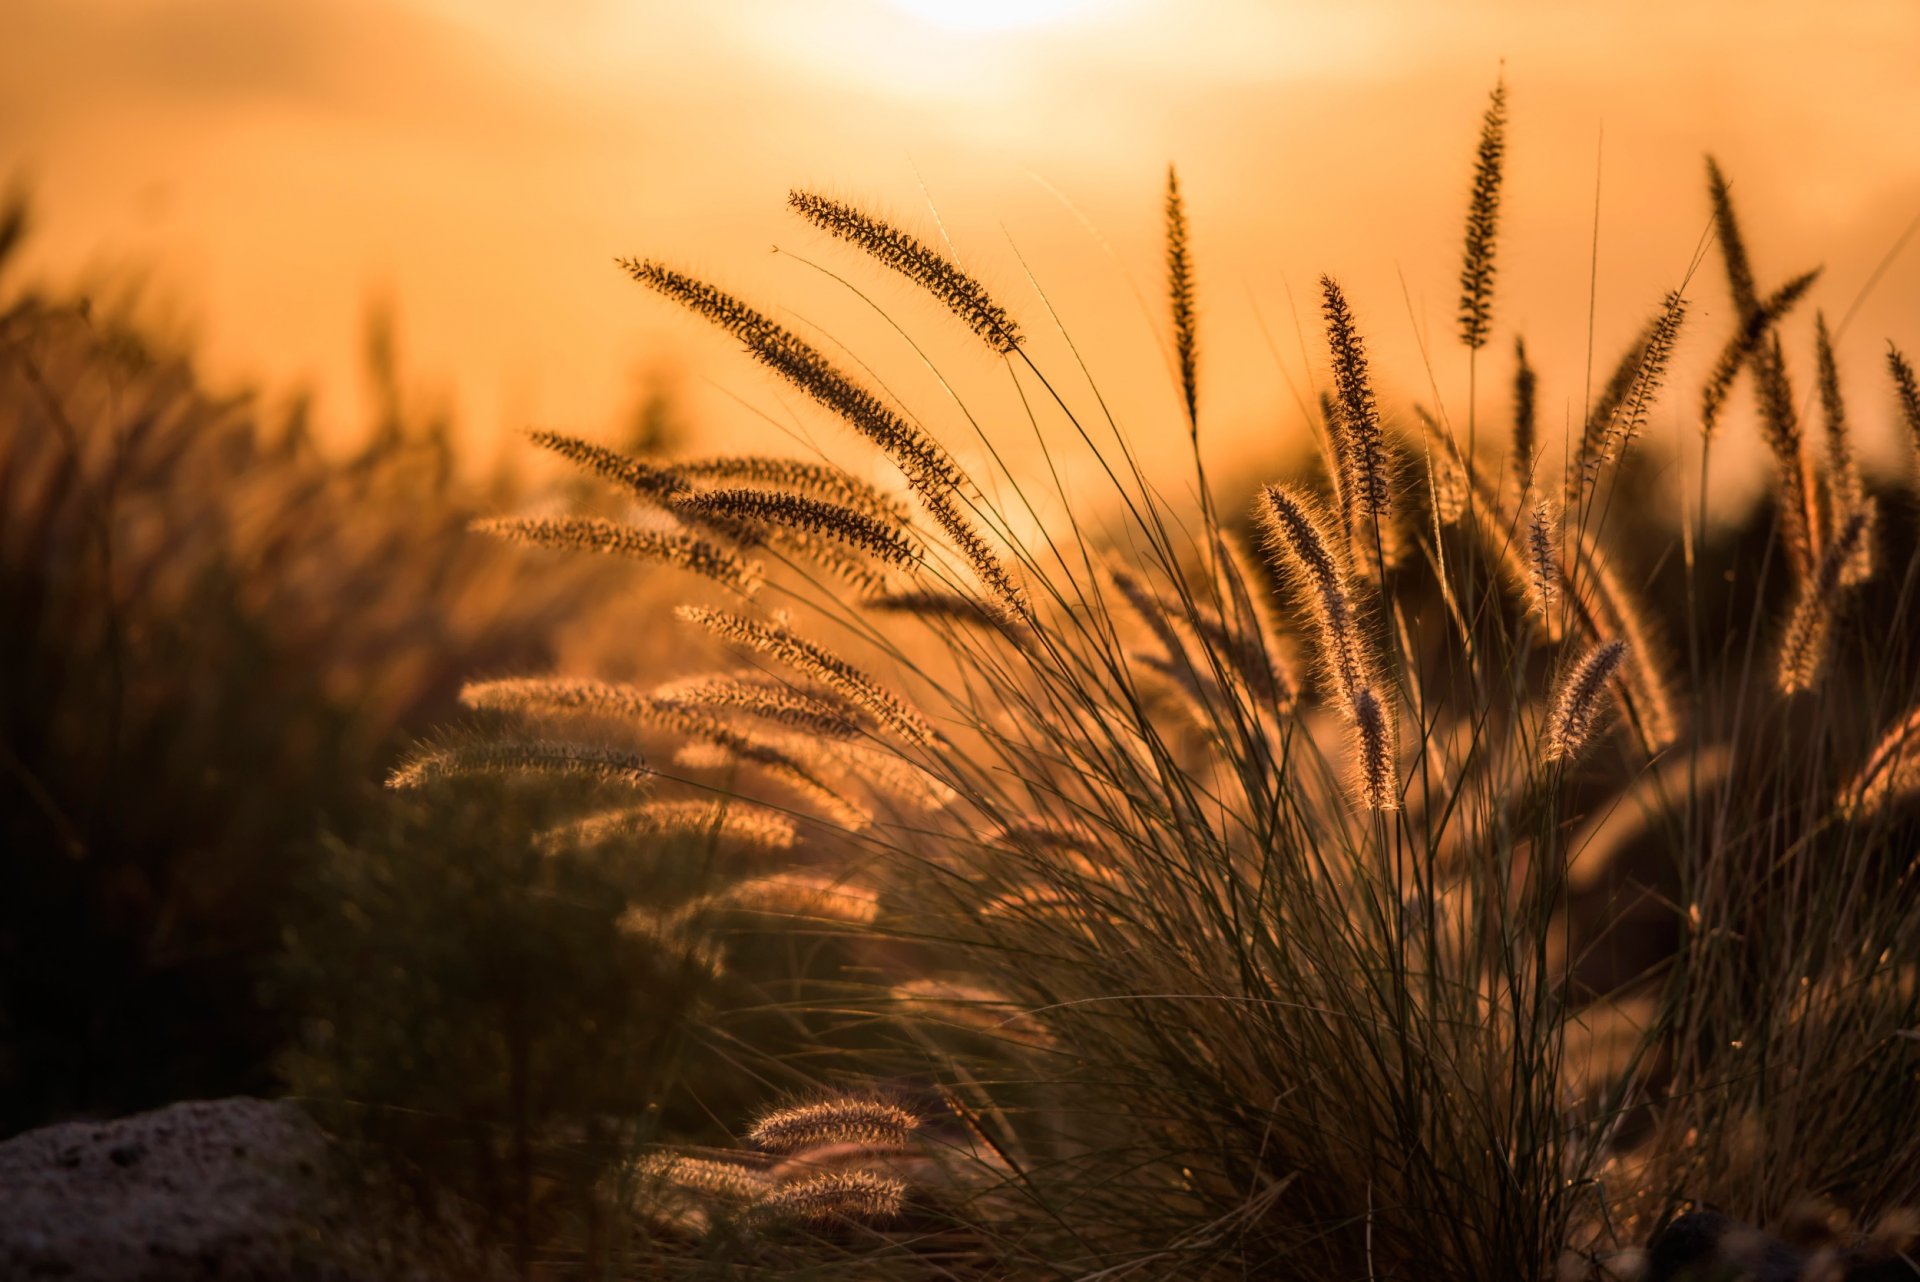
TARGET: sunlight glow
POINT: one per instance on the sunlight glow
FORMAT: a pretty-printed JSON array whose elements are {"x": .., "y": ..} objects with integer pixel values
[{"x": 992, "y": 15}]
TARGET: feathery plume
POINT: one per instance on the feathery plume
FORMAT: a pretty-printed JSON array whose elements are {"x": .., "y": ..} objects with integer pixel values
[
  {"x": 1373, "y": 726},
  {"x": 1543, "y": 561},
  {"x": 979, "y": 555},
  {"x": 798, "y": 511},
  {"x": 1607, "y": 609},
  {"x": 549, "y": 695},
  {"x": 1483, "y": 220},
  {"x": 1891, "y": 773},
  {"x": 759, "y": 696},
  {"x": 1180, "y": 295},
  {"x": 1779, "y": 422},
  {"x": 1809, "y": 634},
  {"x": 597, "y": 534},
  {"x": 1799, "y": 519},
  {"x": 1525, "y": 430},
  {"x": 836, "y": 1195},
  {"x": 780, "y": 641},
  {"x": 838, "y": 1119},
  {"x": 1751, "y": 332},
  {"x": 1447, "y": 484},
  {"x": 913, "y": 258},
  {"x": 1907, "y": 391},
  {"x": 730, "y": 1181},
  {"x": 732, "y": 820},
  {"x": 1579, "y": 700},
  {"x": 790, "y": 895},
  {"x": 1846, "y": 491},
  {"x": 1338, "y": 448},
  {"x": 1600, "y": 416},
  {"x": 917, "y": 455},
  {"x": 1733, "y": 246},
  {"x": 1251, "y": 639},
  {"x": 820, "y": 480},
  {"x": 1364, "y": 464},
  {"x": 642, "y": 479},
  {"x": 1295, "y": 534},
  {"x": 1628, "y": 405},
  {"x": 724, "y": 745},
  {"x": 522, "y": 757}
]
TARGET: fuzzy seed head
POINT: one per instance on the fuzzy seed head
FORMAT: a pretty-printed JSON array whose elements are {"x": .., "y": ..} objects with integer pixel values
[
  {"x": 838, "y": 1119},
  {"x": 1579, "y": 700},
  {"x": 597, "y": 534},
  {"x": 836, "y": 1195},
  {"x": 919, "y": 262}
]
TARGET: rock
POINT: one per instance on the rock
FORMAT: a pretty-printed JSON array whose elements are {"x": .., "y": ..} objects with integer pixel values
[{"x": 210, "y": 1190}]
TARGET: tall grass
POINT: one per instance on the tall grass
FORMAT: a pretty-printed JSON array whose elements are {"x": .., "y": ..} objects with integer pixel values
[{"x": 1449, "y": 891}]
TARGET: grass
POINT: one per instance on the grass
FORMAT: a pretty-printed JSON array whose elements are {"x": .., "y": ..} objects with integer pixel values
[
  {"x": 1440, "y": 865},
  {"x": 1408, "y": 880}
]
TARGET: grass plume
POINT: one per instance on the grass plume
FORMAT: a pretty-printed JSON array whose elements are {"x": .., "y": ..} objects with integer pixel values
[
  {"x": 616, "y": 538},
  {"x": 1579, "y": 700},
  {"x": 913, "y": 258},
  {"x": 1483, "y": 223},
  {"x": 1186, "y": 342}
]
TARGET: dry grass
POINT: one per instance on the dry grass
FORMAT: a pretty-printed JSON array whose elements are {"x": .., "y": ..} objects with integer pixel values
[{"x": 1295, "y": 980}]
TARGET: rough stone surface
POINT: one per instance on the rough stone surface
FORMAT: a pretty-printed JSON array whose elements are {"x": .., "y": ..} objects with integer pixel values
[{"x": 211, "y": 1190}]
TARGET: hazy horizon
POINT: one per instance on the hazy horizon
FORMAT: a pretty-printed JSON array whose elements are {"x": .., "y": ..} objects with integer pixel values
[{"x": 273, "y": 171}]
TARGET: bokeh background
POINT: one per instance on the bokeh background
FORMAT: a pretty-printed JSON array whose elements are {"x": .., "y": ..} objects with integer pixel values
[{"x": 276, "y": 171}]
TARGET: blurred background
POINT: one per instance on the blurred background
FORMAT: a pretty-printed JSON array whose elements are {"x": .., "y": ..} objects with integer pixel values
[{"x": 273, "y": 170}]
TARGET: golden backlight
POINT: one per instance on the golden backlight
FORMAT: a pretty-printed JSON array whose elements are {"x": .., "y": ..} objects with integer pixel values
[
  {"x": 478, "y": 164},
  {"x": 993, "y": 15}
]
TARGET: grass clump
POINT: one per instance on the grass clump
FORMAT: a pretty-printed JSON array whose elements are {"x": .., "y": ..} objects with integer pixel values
[{"x": 1216, "y": 971}]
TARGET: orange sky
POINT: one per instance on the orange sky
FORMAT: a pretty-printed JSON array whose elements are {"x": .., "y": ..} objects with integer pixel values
[{"x": 274, "y": 164}]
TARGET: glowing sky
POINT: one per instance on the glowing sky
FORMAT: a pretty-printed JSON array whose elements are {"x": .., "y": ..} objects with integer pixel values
[{"x": 272, "y": 165}]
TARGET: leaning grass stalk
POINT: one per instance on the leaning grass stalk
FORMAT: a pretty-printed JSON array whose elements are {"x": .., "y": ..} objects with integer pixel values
[
  {"x": 789, "y": 894},
  {"x": 913, "y": 258},
  {"x": 729, "y": 1181},
  {"x": 761, "y": 697},
  {"x": 1297, "y": 542},
  {"x": 597, "y": 534},
  {"x": 833, "y": 1196},
  {"x": 649, "y": 481},
  {"x": 1808, "y": 640},
  {"x": 519, "y": 757},
  {"x": 1891, "y": 773},
  {"x": 786, "y": 354},
  {"x": 1525, "y": 429},
  {"x": 817, "y": 663},
  {"x": 1907, "y": 393},
  {"x": 840, "y": 1119},
  {"x": 1364, "y": 463},
  {"x": 1847, "y": 494},
  {"x": 1579, "y": 700},
  {"x": 1609, "y": 439},
  {"x": 1374, "y": 758},
  {"x": 1606, "y": 608},
  {"x": 732, "y": 821},
  {"x": 819, "y": 480},
  {"x": 820, "y": 517},
  {"x": 1753, "y": 330}
]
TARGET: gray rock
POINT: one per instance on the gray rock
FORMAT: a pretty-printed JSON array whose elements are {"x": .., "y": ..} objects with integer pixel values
[{"x": 214, "y": 1190}]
